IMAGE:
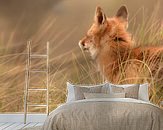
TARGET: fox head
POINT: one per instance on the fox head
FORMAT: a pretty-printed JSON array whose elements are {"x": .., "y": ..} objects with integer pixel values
[{"x": 106, "y": 32}]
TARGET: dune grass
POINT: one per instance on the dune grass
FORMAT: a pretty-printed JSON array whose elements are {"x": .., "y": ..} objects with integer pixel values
[
  {"x": 74, "y": 65},
  {"x": 149, "y": 32}
]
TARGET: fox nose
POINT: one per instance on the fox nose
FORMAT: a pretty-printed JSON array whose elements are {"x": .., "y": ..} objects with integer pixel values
[{"x": 81, "y": 44}]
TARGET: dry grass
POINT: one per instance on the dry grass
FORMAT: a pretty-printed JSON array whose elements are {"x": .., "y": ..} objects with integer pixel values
[
  {"x": 150, "y": 33},
  {"x": 71, "y": 66}
]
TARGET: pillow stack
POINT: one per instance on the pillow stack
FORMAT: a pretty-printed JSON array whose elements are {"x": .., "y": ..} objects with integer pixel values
[
  {"x": 107, "y": 90},
  {"x": 76, "y": 92},
  {"x": 137, "y": 91}
]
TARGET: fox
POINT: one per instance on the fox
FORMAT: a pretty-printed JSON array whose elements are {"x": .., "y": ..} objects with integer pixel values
[{"x": 110, "y": 45}]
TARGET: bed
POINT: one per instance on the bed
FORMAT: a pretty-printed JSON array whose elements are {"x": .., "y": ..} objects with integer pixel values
[{"x": 98, "y": 112}]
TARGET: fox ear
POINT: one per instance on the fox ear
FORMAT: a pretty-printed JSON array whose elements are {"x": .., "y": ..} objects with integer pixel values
[
  {"x": 123, "y": 12},
  {"x": 100, "y": 17}
]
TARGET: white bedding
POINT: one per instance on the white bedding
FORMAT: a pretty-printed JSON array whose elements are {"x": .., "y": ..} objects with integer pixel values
[{"x": 105, "y": 114}]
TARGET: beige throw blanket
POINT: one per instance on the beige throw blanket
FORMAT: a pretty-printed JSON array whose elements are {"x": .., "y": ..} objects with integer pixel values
[{"x": 105, "y": 114}]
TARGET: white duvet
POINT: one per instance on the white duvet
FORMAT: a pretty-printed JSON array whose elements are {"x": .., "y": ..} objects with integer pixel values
[{"x": 106, "y": 114}]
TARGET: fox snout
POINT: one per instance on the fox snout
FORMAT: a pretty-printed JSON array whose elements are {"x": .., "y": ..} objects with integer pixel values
[{"x": 82, "y": 45}]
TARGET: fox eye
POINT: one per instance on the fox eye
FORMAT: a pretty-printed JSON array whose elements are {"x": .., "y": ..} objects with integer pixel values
[{"x": 118, "y": 39}]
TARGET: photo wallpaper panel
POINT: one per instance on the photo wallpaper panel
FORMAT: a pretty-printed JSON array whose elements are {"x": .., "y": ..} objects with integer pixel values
[{"x": 90, "y": 42}]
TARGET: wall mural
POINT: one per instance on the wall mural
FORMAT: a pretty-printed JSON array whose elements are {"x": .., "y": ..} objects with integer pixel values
[{"x": 123, "y": 45}]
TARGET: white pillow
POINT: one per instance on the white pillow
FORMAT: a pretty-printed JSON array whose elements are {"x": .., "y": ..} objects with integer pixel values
[
  {"x": 122, "y": 85},
  {"x": 103, "y": 95},
  {"x": 143, "y": 92},
  {"x": 71, "y": 90},
  {"x": 71, "y": 93}
]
